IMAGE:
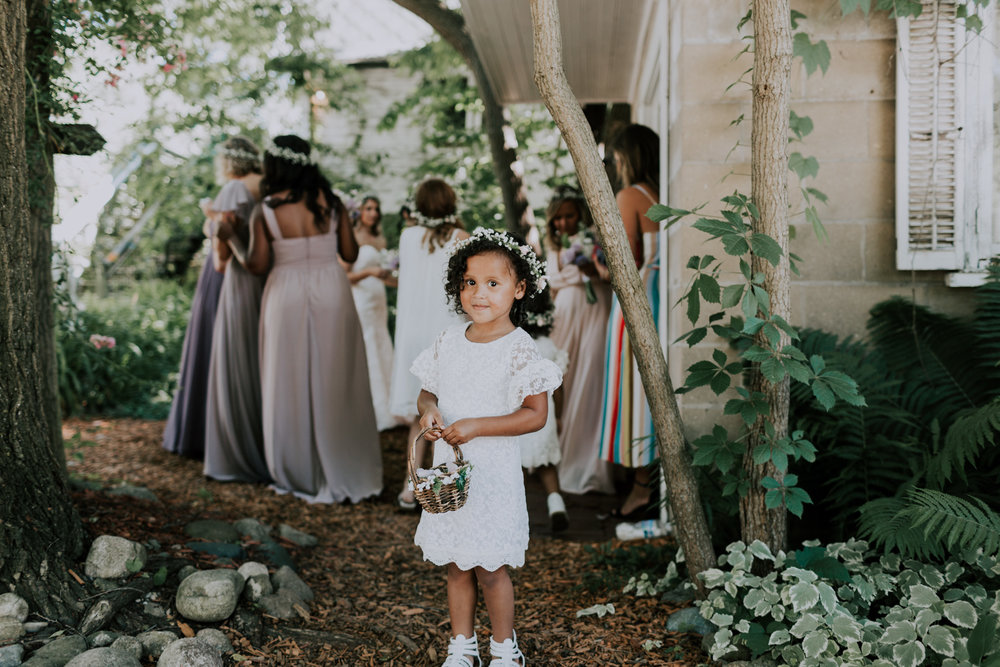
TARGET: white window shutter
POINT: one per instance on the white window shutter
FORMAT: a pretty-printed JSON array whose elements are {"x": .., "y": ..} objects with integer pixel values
[{"x": 944, "y": 144}]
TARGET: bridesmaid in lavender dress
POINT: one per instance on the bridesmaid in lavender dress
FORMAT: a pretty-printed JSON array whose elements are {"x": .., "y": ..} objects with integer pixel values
[
  {"x": 234, "y": 443},
  {"x": 320, "y": 438}
]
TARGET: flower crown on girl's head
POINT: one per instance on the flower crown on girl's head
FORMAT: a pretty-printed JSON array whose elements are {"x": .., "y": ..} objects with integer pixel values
[
  {"x": 432, "y": 223},
  {"x": 290, "y": 155},
  {"x": 510, "y": 243},
  {"x": 238, "y": 154}
]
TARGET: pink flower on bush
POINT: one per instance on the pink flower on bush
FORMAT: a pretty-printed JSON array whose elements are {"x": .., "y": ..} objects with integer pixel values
[{"x": 102, "y": 342}]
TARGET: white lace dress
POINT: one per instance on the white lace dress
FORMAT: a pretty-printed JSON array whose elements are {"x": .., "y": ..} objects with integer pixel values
[
  {"x": 541, "y": 448},
  {"x": 482, "y": 380}
]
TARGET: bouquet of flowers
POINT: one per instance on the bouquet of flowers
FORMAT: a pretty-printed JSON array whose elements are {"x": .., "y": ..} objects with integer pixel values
[
  {"x": 389, "y": 260},
  {"x": 439, "y": 476},
  {"x": 580, "y": 249}
]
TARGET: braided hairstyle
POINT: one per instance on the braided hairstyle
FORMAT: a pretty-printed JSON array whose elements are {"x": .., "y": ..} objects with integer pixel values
[{"x": 302, "y": 181}]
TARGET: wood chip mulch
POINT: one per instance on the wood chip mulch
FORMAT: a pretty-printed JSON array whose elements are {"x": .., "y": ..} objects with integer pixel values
[{"x": 377, "y": 602}]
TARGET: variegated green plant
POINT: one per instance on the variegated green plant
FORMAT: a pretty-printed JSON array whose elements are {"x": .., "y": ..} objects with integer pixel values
[{"x": 845, "y": 604}]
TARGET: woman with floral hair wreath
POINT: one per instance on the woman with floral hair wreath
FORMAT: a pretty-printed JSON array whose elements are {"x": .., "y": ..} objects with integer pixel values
[
  {"x": 237, "y": 166},
  {"x": 320, "y": 439},
  {"x": 422, "y": 309}
]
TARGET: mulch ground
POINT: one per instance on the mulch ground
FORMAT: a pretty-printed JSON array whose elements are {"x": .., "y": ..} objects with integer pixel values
[{"x": 377, "y": 602}]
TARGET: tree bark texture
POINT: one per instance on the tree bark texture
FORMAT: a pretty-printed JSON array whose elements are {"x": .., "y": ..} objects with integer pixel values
[
  {"x": 496, "y": 121},
  {"x": 40, "y": 532},
  {"x": 41, "y": 202},
  {"x": 685, "y": 501},
  {"x": 769, "y": 190}
]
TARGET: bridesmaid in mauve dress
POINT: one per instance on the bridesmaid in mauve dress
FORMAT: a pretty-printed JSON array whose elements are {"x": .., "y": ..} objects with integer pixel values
[
  {"x": 320, "y": 439},
  {"x": 184, "y": 433},
  {"x": 234, "y": 442}
]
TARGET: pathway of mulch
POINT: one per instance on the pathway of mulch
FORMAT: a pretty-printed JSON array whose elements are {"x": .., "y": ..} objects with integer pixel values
[{"x": 377, "y": 602}]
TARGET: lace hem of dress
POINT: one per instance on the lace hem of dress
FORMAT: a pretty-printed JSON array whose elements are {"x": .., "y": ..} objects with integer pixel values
[{"x": 492, "y": 564}]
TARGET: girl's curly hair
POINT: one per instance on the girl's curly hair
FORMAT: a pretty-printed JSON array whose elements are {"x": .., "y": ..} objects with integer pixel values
[
  {"x": 457, "y": 264},
  {"x": 538, "y": 311}
]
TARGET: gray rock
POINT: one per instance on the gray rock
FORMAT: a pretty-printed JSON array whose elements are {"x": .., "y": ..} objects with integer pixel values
[
  {"x": 35, "y": 626},
  {"x": 102, "y": 638},
  {"x": 154, "y": 641},
  {"x": 190, "y": 652},
  {"x": 253, "y": 529},
  {"x": 209, "y": 596},
  {"x": 104, "y": 657},
  {"x": 216, "y": 638},
  {"x": 689, "y": 620},
  {"x": 678, "y": 596},
  {"x": 250, "y": 568},
  {"x": 296, "y": 536},
  {"x": 10, "y": 656},
  {"x": 285, "y": 579},
  {"x": 220, "y": 549},
  {"x": 109, "y": 557},
  {"x": 140, "y": 492},
  {"x": 257, "y": 587},
  {"x": 280, "y": 605},
  {"x": 11, "y": 629},
  {"x": 212, "y": 530},
  {"x": 58, "y": 652},
  {"x": 13, "y": 605},
  {"x": 153, "y": 609},
  {"x": 185, "y": 572},
  {"x": 129, "y": 645},
  {"x": 275, "y": 553}
]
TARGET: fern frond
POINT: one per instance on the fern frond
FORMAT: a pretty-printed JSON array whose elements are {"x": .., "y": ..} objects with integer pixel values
[
  {"x": 971, "y": 431},
  {"x": 929, "y": 524},
  {"x": 986, "y": 325},
  {"x": 954, "y": 522}
]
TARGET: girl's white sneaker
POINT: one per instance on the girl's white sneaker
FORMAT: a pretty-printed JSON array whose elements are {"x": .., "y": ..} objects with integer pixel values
[
  {"x": 506, "y": 652},
  {"x": 463, "y": 652}
]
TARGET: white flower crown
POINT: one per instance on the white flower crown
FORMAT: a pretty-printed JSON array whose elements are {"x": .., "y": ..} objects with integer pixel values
[
  {"x": 539, "y": 319},
  {"x": 432, "y": 223},
  {"x": 289, "y": 155},
  {"x": 239, "y": 154},
  {"x": 507, "y": 241}
]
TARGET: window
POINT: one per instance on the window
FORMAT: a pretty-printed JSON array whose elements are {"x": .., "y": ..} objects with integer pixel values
[{"x": 944, "y": 142}]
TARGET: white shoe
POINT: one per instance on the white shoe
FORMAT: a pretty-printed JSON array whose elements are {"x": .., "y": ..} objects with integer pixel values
[
  {"x": 558, "y": 519},
  {"x": 506, "y": 652},
  {"x": 463, "y": 652}
]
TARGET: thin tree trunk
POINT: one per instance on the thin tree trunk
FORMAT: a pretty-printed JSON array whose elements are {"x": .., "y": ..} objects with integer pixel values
[
  {"x": 685, "y": 501},
  {"x": 496, "y": 122},
  {"x": 40, "y": 532},
  {"x": 769, "y": 176}
]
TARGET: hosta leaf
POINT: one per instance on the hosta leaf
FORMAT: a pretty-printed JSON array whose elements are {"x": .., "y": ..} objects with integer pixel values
[
  {"x": 901, "y": 631},
  {"x": 922, "y": 596},
  {"x": 940, "y": 640},
  {"x": 803, "y": 596},
  {"x": 845, "y": 628},
  {"x": 961, "y": 613},
  {"x": 806, "y": 624},
  {"x": 908, "y": 654},
  {"x": 814, "y": 643}
]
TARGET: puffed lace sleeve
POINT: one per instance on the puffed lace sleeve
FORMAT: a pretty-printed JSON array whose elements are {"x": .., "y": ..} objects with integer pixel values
[
  {"x": 234, "y": 196},
  {"x": 531, "y": 373},
  {"x": 425, "y": 366}
]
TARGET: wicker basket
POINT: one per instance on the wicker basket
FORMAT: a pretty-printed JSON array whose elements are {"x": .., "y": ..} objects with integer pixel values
[{"x": 447, "y": 497}]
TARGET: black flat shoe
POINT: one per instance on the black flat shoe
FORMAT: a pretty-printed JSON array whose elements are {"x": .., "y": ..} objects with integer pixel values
[{"x": 640, "y": 513}]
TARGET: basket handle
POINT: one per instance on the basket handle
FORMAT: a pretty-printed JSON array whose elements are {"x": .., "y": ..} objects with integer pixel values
[{"x": 411, "y": 452}]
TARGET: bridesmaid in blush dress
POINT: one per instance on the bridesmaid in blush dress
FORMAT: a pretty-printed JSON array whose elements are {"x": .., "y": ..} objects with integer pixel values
[{"x": 320, "y": 439}]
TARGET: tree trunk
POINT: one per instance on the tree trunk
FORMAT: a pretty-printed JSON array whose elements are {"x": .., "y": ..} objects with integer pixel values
[
  {"x": 40, "y": 532},
  {"x": 496, "y": 122},
  {"x": 41, "y": 201},
  {"x": 685, "y": 502},
  {"x": 769, "y": 176}
]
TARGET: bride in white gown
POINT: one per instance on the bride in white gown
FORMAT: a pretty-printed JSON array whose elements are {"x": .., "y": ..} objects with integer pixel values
[{"x": 368, "y": 278}]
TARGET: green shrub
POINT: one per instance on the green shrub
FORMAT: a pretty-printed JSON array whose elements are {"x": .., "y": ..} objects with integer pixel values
[
  {"x": 847, "y": 605},
  {"x": 135, "y": 377}
]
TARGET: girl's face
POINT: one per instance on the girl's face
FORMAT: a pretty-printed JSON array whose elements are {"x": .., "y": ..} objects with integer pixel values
[
  {"x": 369, "y": 214},
  {"x": 489, "y": 288},
  {"x": 567, "y": 218}
]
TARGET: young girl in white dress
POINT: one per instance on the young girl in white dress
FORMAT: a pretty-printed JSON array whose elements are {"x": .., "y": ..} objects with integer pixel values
[{"x": 483, "y": 384}]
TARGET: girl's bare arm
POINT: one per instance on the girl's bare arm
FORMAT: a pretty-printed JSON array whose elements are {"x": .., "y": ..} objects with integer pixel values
[{"x": 259, "y": 254}]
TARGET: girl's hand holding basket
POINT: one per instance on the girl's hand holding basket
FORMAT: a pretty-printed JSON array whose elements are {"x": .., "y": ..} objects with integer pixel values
[{"x": 443, "y": 488}]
